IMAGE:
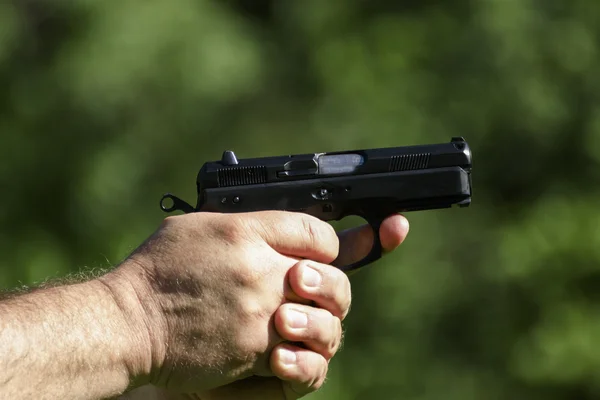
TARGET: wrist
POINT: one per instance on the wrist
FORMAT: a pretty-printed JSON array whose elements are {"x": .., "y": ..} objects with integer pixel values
[{"x": 130, "y": 289}]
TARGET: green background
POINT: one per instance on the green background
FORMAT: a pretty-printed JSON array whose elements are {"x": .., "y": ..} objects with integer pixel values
[{"x": 106, "y": 105}]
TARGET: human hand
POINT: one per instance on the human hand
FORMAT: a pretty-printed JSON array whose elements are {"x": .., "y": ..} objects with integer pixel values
[
  {"x": 203, "y": 290},
  {"x": 321, "y": 338}
]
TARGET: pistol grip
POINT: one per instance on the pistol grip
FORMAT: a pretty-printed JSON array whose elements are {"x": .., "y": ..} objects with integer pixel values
[{"x": 376, "y": 251}]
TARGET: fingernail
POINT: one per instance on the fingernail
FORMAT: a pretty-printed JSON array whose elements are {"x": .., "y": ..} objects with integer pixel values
[
  {"x": 288, "y": 357},
  {"x": 296, "y": 319},
  {"x": 311, "y": 277}
]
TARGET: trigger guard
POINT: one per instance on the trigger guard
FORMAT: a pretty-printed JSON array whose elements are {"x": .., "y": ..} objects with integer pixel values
[{"x": 376, "y": 250}]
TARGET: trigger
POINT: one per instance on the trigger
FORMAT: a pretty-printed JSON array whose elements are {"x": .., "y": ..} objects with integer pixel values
[{"x": 376, "y": 250}]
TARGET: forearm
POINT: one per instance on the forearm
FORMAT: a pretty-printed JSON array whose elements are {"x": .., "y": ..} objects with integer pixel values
[{"x": 69, "y": 342}]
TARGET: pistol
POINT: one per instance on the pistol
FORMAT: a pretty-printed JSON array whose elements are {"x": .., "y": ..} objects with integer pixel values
[{"x": 372, "y": 184}]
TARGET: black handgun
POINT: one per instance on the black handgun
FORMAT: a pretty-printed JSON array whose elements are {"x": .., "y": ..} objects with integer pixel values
[{"x": 372, "y": 184}]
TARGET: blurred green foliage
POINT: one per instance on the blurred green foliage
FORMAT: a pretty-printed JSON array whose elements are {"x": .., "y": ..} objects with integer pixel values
[{"x": 106, "y": 105}]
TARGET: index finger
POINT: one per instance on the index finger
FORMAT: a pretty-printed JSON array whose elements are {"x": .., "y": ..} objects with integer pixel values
[
  {"x": 356, "y": 243},
  {"x": 298, "y": 235}
]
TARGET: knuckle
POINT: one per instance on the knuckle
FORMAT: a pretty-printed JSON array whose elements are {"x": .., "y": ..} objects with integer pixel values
[
  {"x": 312, "y": 232},
  {"x": 316, "y": 383},
  {"x": 337, "y": 338},
  {"x": 341, "y": 291},
  {"x": 175, "y": 224},
  {"x": 251, "y": 315},
  {"x": 234, "y": 228},
  {"x": 336, "y": 291},
  {"x": 321, "y": 235},
  {"x": 309, "y": 374},
  {"x": 346, "y": 296},
  {"x": 243, "y": 276},
  {"x": 329, "y": 336},
  {"x": 333, "y": 278},
  {"x": 250, "y": 309},
  {"x": 324, "y": 369},
  {"x": 170, "y": 220},
  {"x": 230, "y": 228},
  {"x": 318, "y": 376},
  {"x": 335, "y": 241}
]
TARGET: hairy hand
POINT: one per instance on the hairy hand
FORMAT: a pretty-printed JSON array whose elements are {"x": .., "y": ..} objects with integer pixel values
[
  {"x": 310, "y": 323},
  {"x": 209, "y": 286}
]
